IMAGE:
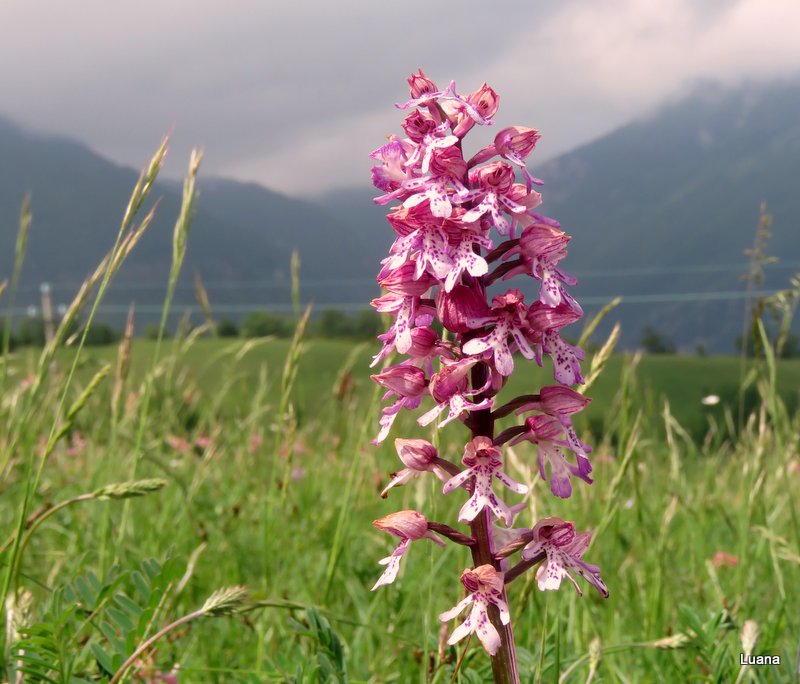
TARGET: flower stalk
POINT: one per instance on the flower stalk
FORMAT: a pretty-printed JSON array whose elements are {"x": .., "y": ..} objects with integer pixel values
[{"x": 444, "y": 258}]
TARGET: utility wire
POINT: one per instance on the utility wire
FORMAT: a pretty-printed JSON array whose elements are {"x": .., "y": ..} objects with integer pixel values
[
  {"x": 653, "y": 298},
  {"x": 363, "y": 281}
]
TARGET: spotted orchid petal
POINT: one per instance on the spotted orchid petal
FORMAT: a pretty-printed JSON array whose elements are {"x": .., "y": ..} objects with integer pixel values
[
  {"x": 564, "y": 549},
  {"x": 485, "y": 585}
]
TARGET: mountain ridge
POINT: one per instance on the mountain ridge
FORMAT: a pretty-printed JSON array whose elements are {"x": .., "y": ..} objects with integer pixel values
[{"x": 660, "y": 208}]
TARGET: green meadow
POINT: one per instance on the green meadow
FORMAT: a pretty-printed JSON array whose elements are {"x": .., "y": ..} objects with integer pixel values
[
  {"x": 271, "y": 483},
  {"x": 199, "y": 510}
]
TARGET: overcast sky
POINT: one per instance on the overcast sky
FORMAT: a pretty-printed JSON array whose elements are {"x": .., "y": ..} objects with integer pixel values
[{"x": 296, "y": 95}]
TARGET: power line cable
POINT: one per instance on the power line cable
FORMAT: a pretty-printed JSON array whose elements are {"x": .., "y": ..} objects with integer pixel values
[
  {"x": 643, "y": 298},
  {"x": 361, "y": 281}
]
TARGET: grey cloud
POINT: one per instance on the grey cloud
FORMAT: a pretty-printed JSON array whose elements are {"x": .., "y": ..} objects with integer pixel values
[{"x": 272, "y": 89}]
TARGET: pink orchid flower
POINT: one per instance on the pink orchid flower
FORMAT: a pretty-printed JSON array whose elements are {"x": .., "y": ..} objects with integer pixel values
[
  {"x": 484, "y": 463},
  {"x": 547, "y": 433},
  {"x": 508, "y": 314},
  {"x": 450, "y": 389},
  {"x": 418, "y": 456},
  {"x": 564, "y": 549},
  {"x": 408, "y": 526},
  {"x": 485, "y": 585}
]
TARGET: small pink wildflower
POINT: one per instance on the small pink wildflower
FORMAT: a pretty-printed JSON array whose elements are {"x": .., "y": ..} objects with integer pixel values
[
  {"x": 450, "y": 389},
  {"x": 77, "y": 444},
  {"x": 178, "y": 444},
  {"x": 254, "y": 442},
  {"x": 408, "y": 526},
  {"x": 202, "y": 442},
  {"x": 485, "y": 585},
  {"x": 508, "y": 315},
  {"x": 547, "y": 433},
  {"x": 564, "y": 548},
  {"x": 418, "y": 456},
  {"x": 484, "y": 462},
  {"x": 722, "y": 558},
  {"x": 405, "y": 381}
]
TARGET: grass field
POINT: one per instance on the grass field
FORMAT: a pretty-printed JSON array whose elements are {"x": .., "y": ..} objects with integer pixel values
[
  {"x": 681, "y": 380},
  {"x": 271, "y": 482},
  {"x": 142, "y": 488}
]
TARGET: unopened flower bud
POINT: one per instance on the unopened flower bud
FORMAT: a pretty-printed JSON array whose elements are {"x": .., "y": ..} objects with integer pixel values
[
  {"x": 450, "y": 380},
  {"x": 519, "y": 140},
  {"x": 544, "y": 428},
  {"x": 459, "y": 307},
  {"x": 543, "y": 239},
  {"x": 530, "y": 199},
  {"x": 423, "y": 342},
  {"x": 558, "y": 400},
  {"x": 403, "y": 524},
  {"x": 542, "y": 317},
  {"x": 420, "y": 85},
  {"x": 416, "y": 454},
  {"x": 401, "y": 281},
  {"x": 407, "y": 381}
]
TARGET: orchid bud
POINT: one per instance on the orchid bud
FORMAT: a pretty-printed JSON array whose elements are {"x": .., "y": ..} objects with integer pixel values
[
  {"x": 542, "y": 317},
  {"x": 450, "y": 380},
  {"x": 403, "y": 524},
  {"x": 518, "y": 140},
  {"x": 529, "y": 199},
  {"x": 558, "y": 400},
  {"x": 424, "y": 342},
  {"x": 459, "y": 307},
  {"x": 545, "y": 428},
  {"x": 420, "y": 85},
  {"x": 543, "y": 240},
  {"x": 407, "y": 381},
  {"x": 416, "y": 454},
  {"x": 401, "y": 281}
]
